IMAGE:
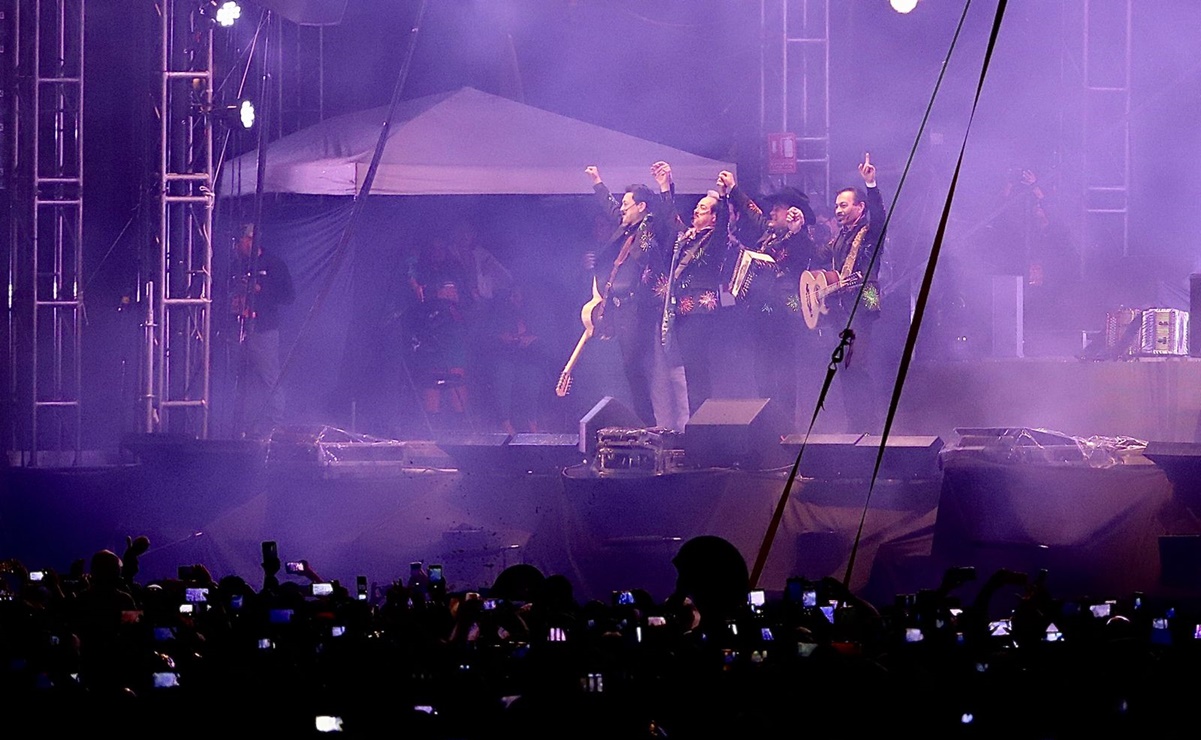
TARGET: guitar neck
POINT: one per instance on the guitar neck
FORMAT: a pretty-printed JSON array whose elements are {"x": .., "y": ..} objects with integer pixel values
[
  {"x": 575, "y": 354},
  {"x": 565, "y": 376},
  {"x": 849, "y": 281}
]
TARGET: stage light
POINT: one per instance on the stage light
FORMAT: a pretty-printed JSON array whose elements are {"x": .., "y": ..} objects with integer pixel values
[
  {"x": 240, "y": 113},
  {"x": 246, "y": 114},
  {"x": 227, "y": 13},
  {"x": 903, "y": 6}
]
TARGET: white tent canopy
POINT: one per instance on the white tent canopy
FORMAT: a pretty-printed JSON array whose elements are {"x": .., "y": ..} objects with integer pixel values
[{"x": 462, "y": 143}]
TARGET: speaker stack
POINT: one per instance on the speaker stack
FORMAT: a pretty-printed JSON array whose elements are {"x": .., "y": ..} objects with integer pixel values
[{"x": 736, "y": 432}]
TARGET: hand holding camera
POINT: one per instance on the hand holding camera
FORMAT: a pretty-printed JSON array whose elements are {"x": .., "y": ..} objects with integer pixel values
[{"x": 270, "y": 557}]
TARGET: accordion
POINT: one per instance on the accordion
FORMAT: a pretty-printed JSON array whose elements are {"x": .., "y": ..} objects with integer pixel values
[
  {"x": 750, "y": 265},
  {"x": 1120, "y": 327},
  {"x": 1164, "y": 332}
]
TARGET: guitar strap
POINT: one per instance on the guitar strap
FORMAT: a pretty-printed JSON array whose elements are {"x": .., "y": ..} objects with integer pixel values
[
  {"x": 852, "y": 255},
  {"x": 621, "y": 257},
  {"x": 690, "y": 253}
]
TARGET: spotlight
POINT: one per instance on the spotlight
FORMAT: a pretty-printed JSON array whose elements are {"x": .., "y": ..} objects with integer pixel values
[
  {"x": 246, "y": 113},
  {"x": 903, "y": 6},
  {"x": 240, "y": 113},
  {"x": 227, "y": 13}
]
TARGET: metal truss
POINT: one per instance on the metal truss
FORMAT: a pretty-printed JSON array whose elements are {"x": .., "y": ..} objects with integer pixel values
[
  {"x": 177, "y": 323},
  {"x": 794, "y": 78},
  {"x": 1105, "y": 69},
  {"x": 42, "y": 115}
]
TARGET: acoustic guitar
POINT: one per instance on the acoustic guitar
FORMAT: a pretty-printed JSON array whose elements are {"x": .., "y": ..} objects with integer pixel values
[
  {"x": 592, "y": 316},
  {"x": 816, "y": 286}
]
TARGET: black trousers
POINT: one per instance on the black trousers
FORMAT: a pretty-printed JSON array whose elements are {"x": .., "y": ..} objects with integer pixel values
[
  {"x": 775, "y": 336},
  {"x": 861, "y": 397},
  {"x": 635, "y": 329},
  {"x": 698, "y": 335}
]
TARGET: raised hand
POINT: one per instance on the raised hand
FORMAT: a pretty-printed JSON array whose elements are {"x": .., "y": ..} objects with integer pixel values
[
  {"x": 795, "y": 219},
  {"x": 661, "y": 171},
  {"x": 725, "y": 182},
  {"x": 592, "y": 172},
  {"x": 135, "y": 547},
  {"x": 868, "y": 170}
]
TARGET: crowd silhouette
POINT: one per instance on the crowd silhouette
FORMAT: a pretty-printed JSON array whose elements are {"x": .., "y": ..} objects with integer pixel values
[{"x": 95, "y": 648}]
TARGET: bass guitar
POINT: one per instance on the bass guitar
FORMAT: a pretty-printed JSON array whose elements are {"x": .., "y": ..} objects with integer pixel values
[
  {"x": 816, "y": 286},
  {"x": 592, "y": 316}
]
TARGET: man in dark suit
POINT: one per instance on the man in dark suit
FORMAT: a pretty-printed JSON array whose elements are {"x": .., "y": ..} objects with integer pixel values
[
  {"x": 263, "y": 285},
  {"x": 772, "y": 305},
  {"x": 860, "y": 216},
  {"x": 628, "y": 268}
]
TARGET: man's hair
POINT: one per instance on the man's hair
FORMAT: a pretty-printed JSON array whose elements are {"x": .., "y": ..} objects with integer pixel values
[
  {"x": 860, "y": 196},
  {"x": 642, "y": 194}
]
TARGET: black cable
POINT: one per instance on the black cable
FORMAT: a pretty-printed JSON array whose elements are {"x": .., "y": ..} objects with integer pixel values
[
  {"x": 847, "y": 335},
  {"x": 357, "y": 207},
  {"x": 924, "y": 294}
]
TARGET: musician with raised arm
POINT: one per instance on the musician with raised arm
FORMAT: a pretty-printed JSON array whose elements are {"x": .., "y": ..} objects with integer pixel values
[
  {"x": 692, "y": 289},
  {"x": 627, "y": 269},
  {"x": 859, "y": 214},
  {"x": 771, "y": 297}
]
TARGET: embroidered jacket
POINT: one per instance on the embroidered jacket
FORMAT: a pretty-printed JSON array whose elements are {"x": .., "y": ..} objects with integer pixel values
[
  {"x": 834, "y": 256},
  {"x": 635, "y": 279},
  {"x": 793, "y": 254}
]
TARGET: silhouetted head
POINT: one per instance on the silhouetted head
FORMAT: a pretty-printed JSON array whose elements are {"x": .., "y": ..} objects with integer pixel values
[
  {"x": 713, "y": 573},
  {"x": 520, "y": 582},
  {"x": 106, "y": 568}
]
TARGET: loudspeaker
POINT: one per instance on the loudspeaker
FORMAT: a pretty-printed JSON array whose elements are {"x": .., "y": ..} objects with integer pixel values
[
  {"x": 608, "y": 412},
  {"x": 1181, "y": 463},
  {"x": 475, "y": 451},
  {"x": 830, "y": 456},
  {"x": 534, "y": 452},
  {"x": 1194, "y": 312},
  {"x": 827, "y": 456},
  {"x": 905, "y": 456},
  {"x": 736, "y": 432}
]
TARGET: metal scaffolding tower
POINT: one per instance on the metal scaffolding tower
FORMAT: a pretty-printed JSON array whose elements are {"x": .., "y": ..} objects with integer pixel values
[
  {"x": 794, "y": 78},
  {"x": 1106, "y": 117},
  {"x": 177, "y": 362},
  {"x": 43, "y": 180}
]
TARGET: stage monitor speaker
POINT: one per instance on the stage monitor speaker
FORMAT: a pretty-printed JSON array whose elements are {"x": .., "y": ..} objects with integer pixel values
[
  {"x": 827, "y": 456},
  {"x": 905, "y": 456},
  {"x": 608, "y": 412},
  {"x": 536, "y": 452},
  {"x": 1181, "y": 463},
  {"x": 475, "y": 451},
  {"x": 736, "y": 432},
  {"x": 1194, "y": 310}
]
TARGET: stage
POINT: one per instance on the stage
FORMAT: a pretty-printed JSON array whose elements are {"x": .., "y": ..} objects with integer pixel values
[
  {"x": 1095, "y": 529},
  {"x": 1147, "y": 398}
]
